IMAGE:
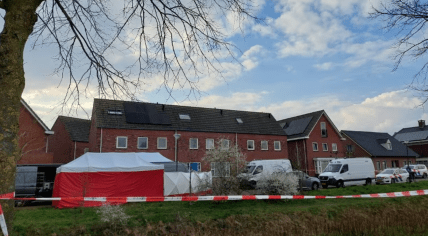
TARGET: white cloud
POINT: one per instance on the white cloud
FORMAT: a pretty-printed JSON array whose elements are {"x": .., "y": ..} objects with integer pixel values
[
  {"x": 324, "y": 66},
  {"x": 250, "y": 59}
]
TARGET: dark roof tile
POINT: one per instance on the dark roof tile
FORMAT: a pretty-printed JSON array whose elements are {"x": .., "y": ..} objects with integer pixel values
[{"x": 77, "y": 128}]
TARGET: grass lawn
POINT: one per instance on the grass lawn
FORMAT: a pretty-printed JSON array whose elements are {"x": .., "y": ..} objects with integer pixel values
[{"x": 44, "y": 221}]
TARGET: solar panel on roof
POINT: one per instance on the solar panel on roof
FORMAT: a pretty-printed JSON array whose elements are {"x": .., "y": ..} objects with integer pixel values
[
  {"x": 141, "y": 113},
  {"x": 412, "y": 136},
  {"x": 298, "y": 126}
]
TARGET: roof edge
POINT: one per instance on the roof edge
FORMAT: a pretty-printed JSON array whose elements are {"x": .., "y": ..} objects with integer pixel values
[{"x": 45, "y": 127}]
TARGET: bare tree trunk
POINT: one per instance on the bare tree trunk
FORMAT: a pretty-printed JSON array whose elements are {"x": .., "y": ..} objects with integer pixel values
[{"x": 19, "y": 21}]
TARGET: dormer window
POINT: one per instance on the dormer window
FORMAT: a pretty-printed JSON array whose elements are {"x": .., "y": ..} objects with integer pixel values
[
  {"x": 239, "y": 120},
  {"x": 387, "y": 144},
  {"x": 323, "y": 130},
  {"x": 184, "y": 116},
  {"x": 115, "y": 112}
]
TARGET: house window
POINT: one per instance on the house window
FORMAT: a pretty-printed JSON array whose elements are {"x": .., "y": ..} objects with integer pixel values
[
  {"x": 250, "y": 144},
  {"x": 194, "y": 166},
  {"x": 162, "y": 143},
  {"x": 404, "y": 163},
  {"x": 349, "y": 148},
  {"x": 193, "y": 143},
  {"x": 315, "y": 146},
  {"x": 114, "y": 112},
  {"x": 277, "y": 145},
  {"x": 142, "y": 142},
  {"x": 264, "y": 145},
  {"x": 325, "y": 147},
  {"x": 184, "y": 116},
  {"x": 85, "y": 150},
  {"x": 239, "y": 120},
  {"x": 393, "y": 164},
  {"x": 220, "y": 169},
  {"x": 121, "y": 142},
  {"x": 323, "y": 130},
  {"x": 334, "y": 147},
  {"x": 384, "y": 166},
  {"x": 378, "y": 165},
  {"x": 209, "y": 143},
  {"x": 225, "y": 144}
]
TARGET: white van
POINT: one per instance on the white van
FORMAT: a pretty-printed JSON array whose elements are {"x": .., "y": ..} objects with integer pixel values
[
  {"x": 260, "y": 169},
  {"x": 348, "y": 171}
]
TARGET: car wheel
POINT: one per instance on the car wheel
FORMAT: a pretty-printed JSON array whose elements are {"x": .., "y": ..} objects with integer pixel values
[
  {"x": 393, "y": 181},
  {"x": 340, "y": 184},
  {"x": 368, "y": 181},
  {"x": 315, "y": 186}
]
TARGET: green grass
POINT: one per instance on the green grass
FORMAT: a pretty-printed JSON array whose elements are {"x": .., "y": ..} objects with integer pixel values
[{"x": 44, "y": 221}]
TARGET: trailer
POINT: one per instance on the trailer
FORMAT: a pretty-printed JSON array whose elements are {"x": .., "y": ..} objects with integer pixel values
[{"x": 35, "y": 180}]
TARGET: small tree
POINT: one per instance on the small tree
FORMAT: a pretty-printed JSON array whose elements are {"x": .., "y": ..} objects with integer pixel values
[
  {"x": 280, "y": 183},
  {"x": 227, "y": 162}
]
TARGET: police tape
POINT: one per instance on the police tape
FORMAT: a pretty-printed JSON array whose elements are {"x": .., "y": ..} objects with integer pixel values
[
  {"x": 3, "y": 223},
  {"x": 10, "y": 196}
]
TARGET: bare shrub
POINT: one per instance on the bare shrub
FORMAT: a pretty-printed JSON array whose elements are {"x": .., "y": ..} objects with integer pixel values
[
  {"x": 226, "y": 162},
  {"x": 280, "y": 183},
  {"x": 113, "y": 215}
]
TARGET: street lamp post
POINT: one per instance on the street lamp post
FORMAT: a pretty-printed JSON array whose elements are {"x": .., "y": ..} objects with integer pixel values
[{"x": 176, "y": 136}]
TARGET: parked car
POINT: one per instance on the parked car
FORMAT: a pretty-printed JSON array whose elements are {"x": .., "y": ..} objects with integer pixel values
[
  {"x": 420, "y": 170},
  {"x": 307, "y": 182},
  {"x": 392, "y": 176},
  {"x": 348, "y": 171}
]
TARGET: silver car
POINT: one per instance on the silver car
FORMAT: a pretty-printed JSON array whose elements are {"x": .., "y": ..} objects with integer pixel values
[{"x": 307, "y": 182}]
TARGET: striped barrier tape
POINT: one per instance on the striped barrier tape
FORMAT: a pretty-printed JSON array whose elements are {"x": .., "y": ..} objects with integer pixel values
[
  {"x": 10, "y": 196},
  {"x": 3, "y": 223},
  {"x": 217, "y": 198}
]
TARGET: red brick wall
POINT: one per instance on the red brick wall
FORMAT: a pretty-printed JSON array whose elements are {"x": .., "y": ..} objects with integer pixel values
[
  {"x": 420, "y": 149},
  {"x": 32, "y": 140},
  {"x": 62, "y": 146},
  {"x": 315, "y": 136},
  {"x": 185, "y": 154}
]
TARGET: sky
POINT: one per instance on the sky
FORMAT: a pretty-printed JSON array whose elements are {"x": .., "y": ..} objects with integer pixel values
[{"x": 307, "y": 55}]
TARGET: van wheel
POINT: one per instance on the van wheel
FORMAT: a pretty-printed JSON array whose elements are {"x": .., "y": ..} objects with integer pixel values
[
  {"x": 340, "y": 184},
  {"x": 315, "y": 186},
  {"x": 253, "y": 184},
  {"x": 368, "y": 181}
]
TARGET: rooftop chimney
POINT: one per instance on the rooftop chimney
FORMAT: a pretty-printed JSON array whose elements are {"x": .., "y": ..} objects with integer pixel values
[{"x": 421, "y": 124}]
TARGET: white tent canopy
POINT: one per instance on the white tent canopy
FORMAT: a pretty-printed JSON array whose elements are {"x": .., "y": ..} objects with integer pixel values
[
  {"x": 176, "y": 183},
  {"x": 110, "y": 162},
  {"x": 153, "y": 157}
]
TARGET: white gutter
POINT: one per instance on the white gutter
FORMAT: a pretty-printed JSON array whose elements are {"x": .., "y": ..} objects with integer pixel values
[
  {"x": 74, "y": 150},
  {"x": 293, "y": 139}
]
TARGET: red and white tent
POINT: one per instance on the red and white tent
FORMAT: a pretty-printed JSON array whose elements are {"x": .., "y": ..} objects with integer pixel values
[{"x": 107, "y": 175}]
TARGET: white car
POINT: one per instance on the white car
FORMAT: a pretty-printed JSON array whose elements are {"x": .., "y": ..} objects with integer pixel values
[
  {"x": 420, "y": 170},
  {"x": 392, "y": 175}
]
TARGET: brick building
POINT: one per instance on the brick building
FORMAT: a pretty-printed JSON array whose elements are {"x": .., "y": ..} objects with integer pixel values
[
  {"x": 121, "y": 126},
  {"x": 313, "y": 140},
  {"x": 34, "y": 137},
  {"x": 416, "y": 138},
  {"x": 385, "y": 150},
  {"x": 71, "y": 138}
]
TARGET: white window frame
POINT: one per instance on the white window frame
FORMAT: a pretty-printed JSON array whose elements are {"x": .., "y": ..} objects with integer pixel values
[
  {"x": 334, "y": 147},
  {"x": 253, "y": 144},
  {"x": 275, "y": 145},
  {"x": 325, "y": 128},
  {"x": 166, "y": 143},
  {"x": 117, "y": 142},
  {"x": 315, "y": 148},
  {"x": 384, "y": 165},
  {"x": 324, "y": 147},
  {"x": 209, "y": 143},
  {"x": 190, "y": 143},
  {"x": 138, "y": 142},
  {"x": 213, "y": 169},
  {"x": 267, "y": 145},
  {"x": 378, "y": 165},
  {"x": 223, "y": 141}
]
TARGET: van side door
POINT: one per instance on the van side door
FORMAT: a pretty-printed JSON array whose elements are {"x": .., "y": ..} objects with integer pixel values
[{"x": 346, "y": 174}]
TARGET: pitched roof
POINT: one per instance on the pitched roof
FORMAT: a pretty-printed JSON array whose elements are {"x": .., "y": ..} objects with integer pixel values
[
  {"x": 412, "y": 134},
  {"x": 149, "y": 116},
  {"x": 300, "y": 127},
  {"x": 36, "y": 117},
  {"x": 372, "y": 143},
  {"x": 78, "y": 129}
]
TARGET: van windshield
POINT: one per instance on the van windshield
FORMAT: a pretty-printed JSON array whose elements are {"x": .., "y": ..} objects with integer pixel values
[
  {"x": 333, "y": 168},
  {"x": 250, "y": 169}
]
